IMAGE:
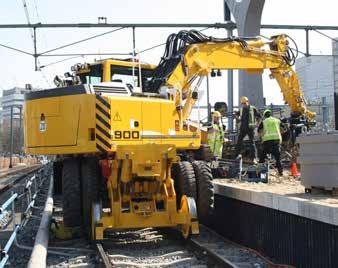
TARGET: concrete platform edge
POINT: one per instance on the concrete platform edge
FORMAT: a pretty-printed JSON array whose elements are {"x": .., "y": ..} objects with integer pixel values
[{"x": 292, "y": 205}]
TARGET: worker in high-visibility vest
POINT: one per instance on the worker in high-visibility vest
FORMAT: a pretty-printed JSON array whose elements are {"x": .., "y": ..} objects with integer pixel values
[
  {"x": 271, "y": 139},
  {"x": 216, "y": 135},
  {"x": 248, "y": 117}
]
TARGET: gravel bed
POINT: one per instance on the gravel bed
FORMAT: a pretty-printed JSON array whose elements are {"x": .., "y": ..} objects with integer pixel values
[
  {"x": 6, "y": 219},
  {"x": 150, "y": 248},
  {"x": 81, "y": 252},
  {"x": 286, "y": 185},
  {"x": 155, "y": 248},
  {"x": 19, "y": 254},
  {"x": 145, "y": 248},
  {"x": 236, "y": 254},
  {"x": 18, "y": 187}
]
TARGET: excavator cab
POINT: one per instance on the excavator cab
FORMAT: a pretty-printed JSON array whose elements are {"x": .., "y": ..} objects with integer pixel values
[{"x": 134, "y": 75}]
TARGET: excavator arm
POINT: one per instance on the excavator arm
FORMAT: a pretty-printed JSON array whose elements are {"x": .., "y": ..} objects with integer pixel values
[{"x": 195, "y": 60}]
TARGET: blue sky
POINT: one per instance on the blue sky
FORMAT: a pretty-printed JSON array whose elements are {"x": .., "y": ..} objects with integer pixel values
[{"x": 17, "y": 69}]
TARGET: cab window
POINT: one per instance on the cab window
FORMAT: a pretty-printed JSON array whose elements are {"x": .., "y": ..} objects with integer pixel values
[
  {"x": 94, "y": 76},
  {"x": 125, "y": 74}
]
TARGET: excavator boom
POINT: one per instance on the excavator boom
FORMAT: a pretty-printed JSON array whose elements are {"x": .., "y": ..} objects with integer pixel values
[{"x": 202, "y": 54}]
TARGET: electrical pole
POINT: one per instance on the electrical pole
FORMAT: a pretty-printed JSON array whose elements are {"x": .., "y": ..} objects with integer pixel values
[
  {"x": 11, "y": 139},
  {"x": 208, "y": 100},
  {"x": 227, "y": 17}
]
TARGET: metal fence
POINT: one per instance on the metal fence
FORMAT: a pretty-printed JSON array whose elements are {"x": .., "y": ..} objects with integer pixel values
[{"x": 32, "y": 187}]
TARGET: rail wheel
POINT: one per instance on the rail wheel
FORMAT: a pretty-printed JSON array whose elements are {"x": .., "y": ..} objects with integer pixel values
[
  {"x": 205, "y": 191},
  {"x": 71, "y": 189},
  {"x": 184, "y": 180},
  {"x": 96, "y": 214},
  {"x": 188, "y": 206},
  {"x": 90, "y": 175}
]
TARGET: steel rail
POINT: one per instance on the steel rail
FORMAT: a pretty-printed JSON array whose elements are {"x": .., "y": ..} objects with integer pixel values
[
  {"x": 21, "y": 177},
  {"x": 103, "y": 256},
  {"x": 192, "y": 245},
  {"x": 215, "y": 259}
]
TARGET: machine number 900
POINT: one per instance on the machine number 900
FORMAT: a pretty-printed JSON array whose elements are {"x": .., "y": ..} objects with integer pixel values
[{"x": 126, "y": 135}]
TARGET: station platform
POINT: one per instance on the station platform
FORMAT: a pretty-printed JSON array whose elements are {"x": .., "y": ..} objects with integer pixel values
[
  {"x": 279, "y": 220},
  {"x": 287, "y": 196}
]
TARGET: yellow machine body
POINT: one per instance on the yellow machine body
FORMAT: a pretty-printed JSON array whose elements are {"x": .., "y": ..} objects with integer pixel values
[
  {"x": 140, "y": 134},
  {"x": 88, "y": 123}
]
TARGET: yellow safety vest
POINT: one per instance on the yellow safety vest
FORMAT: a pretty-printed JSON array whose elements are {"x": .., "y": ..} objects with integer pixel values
[
  {"x": 271, "y": 129},
  {"x": 216, "y": 140},
  {"x": 252, "y": 119}
]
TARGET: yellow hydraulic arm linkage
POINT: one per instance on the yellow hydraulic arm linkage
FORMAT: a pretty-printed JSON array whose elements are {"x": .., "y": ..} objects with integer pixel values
[{"x": 196, "y": 60}]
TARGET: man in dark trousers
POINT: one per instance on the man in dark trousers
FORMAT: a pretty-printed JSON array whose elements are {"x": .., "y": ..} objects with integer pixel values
[
  {"x": 248, "y": 117},
  {"x": 271, "y": 138}
]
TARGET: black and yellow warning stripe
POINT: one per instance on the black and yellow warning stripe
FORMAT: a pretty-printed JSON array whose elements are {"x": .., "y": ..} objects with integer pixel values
[{"x": 103, "y": 128}]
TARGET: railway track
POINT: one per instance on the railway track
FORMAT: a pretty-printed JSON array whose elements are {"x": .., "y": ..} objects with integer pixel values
[
  {"x": 22, "y": 197},
  {"x": 12, "y": 180},
  {"x": 165, "y": 248},
  {"x": 152, "y": 247}
]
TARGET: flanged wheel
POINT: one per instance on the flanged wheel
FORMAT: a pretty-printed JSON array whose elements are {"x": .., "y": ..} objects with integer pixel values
[
  {"x": 96, "y": 214},
  {"x": 188, "y": 206},
  {"x": 205, "y": 191}
]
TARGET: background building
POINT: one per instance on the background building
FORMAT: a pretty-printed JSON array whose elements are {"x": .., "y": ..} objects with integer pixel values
[
  {"x": 335, "y": 63},
  {"x": 11, "y": 98},
  {"x": 316, "y": 74}
]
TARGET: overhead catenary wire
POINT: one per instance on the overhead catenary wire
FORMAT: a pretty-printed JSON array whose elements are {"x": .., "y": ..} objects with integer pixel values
[
  {"x": 226, "y": 25},
  {"x": 59, "y": 61},
  {"x": 151, "y": 48},
  {"x": 70, "y": 44},
  {"x": 77, "y": 55},
  {"x": 37, "y": 11},
  {"x": 86, "y": 54},
  {"x": 27, "y": 17},
  {"x": 175, "y": 47},
  {"x": 162, "y": 44},
  {"x": 44, "y": 77},
  {"x": 80, "y": 41},
  {"x": 32, "y": 33},
  {"x": 325, "y": 35},
  {"x": 16, "y": 49},
  {"x": 40, "y": 21}
]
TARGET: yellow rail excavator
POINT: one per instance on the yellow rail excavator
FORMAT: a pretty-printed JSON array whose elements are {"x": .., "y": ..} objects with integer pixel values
[{"x": 116, "y": 127}]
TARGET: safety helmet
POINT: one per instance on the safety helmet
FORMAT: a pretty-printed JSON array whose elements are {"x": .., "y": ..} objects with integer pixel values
[
  {"x": 216, "y": 114},
  {"x": 244, "y": 99},
  {"x": 267, "y": 113}
]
